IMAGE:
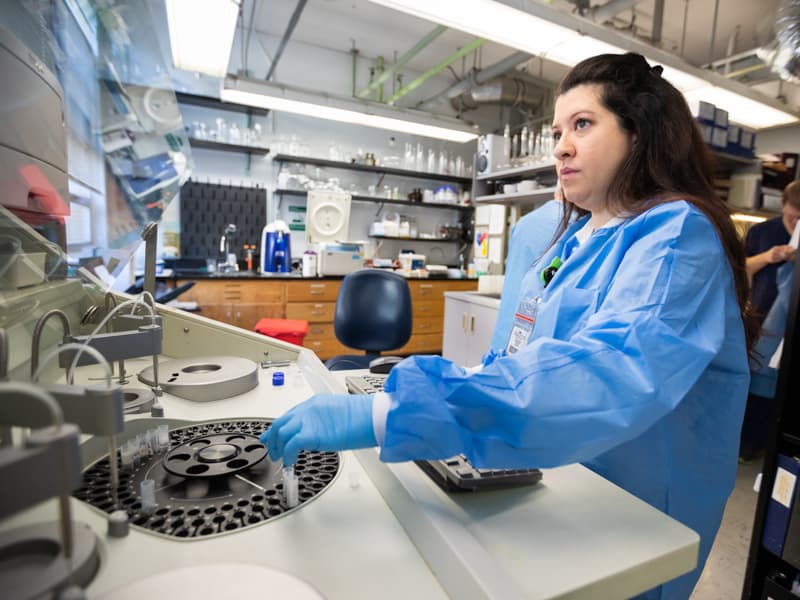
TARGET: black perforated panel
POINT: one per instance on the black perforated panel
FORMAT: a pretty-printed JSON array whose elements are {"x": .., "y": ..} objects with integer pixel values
[{"x": 206, "y": 208}]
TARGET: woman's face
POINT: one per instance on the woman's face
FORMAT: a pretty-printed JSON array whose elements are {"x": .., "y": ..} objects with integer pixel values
[{"x": 590, "y": 147}]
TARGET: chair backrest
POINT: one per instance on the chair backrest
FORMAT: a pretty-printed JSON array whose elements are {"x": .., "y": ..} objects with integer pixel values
[{"x": 373, "y": 311}]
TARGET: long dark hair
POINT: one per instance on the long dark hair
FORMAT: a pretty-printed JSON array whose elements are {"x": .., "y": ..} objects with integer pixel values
[{"x": 668, "y": 159}]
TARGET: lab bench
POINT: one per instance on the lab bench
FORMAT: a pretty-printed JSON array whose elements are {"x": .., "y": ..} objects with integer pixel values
[
  {"x": 241, "y": 301},
  {"x": 384, "y": 530}
]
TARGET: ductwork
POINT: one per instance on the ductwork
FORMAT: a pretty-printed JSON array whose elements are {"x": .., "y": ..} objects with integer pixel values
[
  {"x": 510, "y": 91},
  {"x": 783, "y": 55}
]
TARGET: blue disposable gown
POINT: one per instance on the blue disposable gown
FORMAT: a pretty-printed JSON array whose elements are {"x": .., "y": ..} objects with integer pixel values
[
  {"x": 763, "y": 378},
  {"x": 636, "y": 367},
  {"x": 529, "y": 239}
]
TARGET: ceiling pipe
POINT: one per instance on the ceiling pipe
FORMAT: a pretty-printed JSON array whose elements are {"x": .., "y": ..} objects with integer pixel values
[
  {"x": 471, "y": 47},
  {"x": 509, "y": 91},
  {"x": 418, "y": 47},
  {"x": 474, "y": 79},
  {"x": 658, "y": 23},
  {"x": 603, "y": 13},
  {"x": 298, "y": 10}
]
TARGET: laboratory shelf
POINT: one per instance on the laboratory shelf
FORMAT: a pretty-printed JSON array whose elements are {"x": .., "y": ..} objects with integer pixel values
[
  {"x": 217, "y": 104},
  {"x": 415, "y": 239},
  {"x": 379, "y": 200},
  {"x": 519, "y": 198},
  {"x": 534, "y": 169},
  {"x": 731, "y": 162},
  {"x": 335, "y": 164},
  {"x": 226, "y": 147}
]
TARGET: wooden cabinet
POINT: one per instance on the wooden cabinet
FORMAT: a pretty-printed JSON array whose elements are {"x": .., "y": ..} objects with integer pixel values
[
  {"x": 427, "y": 302},
  {"x": 315, "y": 302},
  {"x": 239, "y": 302},
  {"x": 242, "y": 302}
]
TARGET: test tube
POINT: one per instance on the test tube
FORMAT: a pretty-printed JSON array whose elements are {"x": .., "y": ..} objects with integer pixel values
[
  {"x": 290, "y": 487},
  {"x": 163, "y": 437},
  {"x": 147, "y": 493},
  {"x": 127, "y": 456},
  {"x": 152, "y": 441}
]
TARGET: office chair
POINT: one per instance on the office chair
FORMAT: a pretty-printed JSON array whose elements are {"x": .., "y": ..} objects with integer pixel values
[{"x": 373, "y": 313}]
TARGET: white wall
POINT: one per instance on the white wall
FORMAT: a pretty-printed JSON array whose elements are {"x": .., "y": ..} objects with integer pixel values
[{"x": 783, "y": 139}]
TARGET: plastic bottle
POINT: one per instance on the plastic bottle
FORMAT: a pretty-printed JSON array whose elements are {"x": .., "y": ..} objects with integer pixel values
[{"x": 309, "y": 263}]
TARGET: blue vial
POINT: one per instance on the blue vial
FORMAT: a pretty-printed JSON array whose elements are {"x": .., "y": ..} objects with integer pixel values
[{"x": 277, "y": 378}]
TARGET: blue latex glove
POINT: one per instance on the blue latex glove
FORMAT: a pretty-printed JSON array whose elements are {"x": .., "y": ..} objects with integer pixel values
[{"x": 324, "y": 422}]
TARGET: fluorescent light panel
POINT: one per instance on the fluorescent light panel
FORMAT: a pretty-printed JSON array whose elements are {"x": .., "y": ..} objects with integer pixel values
[
  {"x": 542, "y": 38},
  {"x": 201, "y": 34},
  {"x": 302, "y": 102}
]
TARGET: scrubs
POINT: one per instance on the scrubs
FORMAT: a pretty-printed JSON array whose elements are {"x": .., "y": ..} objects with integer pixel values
[
  {"x": 529, "y": 240},
  {"x": 636, "y": 366}
]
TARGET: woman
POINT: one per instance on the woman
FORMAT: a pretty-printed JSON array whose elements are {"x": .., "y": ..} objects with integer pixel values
[{"x": 627, "y": 354}]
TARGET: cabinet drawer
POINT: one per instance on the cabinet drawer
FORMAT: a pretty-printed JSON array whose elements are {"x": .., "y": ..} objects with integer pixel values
[
  {"x": 327, "y": 348},
  {"x": 312, "y": 291},
  {"x": 320, "y": 331},
  {"x": 426, "y": 325},
  {"x": 261, "y": 292},
  {"x": 425, "y": 290},
  {"x": 313, "y": 312},
  {"x": 267, "y": 292},
  {"x": 424, "y": 343},
  {"x": 220, "y": 292},
  {"x": 434, "y": 290},
  {"x": 423, "y": 309}
]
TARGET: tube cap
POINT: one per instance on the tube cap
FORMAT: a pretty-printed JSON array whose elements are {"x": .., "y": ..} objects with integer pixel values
[{"x": 277, "y": 378}]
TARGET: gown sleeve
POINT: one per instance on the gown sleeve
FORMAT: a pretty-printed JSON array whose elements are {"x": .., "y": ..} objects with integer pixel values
[{"x": 646, "y": 336}]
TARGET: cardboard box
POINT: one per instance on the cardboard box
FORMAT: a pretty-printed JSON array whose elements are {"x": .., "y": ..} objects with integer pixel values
[
  {"x": 703, "y": 111},
  {"x": 705, "y": 131},
  {"x": 720, "y": 117},
  {"x": 747, "y": 139},
  {"x": 719, "y": 137}
]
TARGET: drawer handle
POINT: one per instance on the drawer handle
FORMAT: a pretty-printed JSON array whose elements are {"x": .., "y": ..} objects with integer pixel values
[
  {"x": 463, "y": 321},
  {"x": 426, "y": 286},
  {"x": 317, "y": 285},
  {"x": 317, "y": 312},
  {"x": 472, "y": 324},
  {"x": 320, "y": 330},
  {"x": 316, "y": 292}
]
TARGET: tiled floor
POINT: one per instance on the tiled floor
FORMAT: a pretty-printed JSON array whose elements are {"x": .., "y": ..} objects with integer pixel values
[{"x": 723, "y": 576}]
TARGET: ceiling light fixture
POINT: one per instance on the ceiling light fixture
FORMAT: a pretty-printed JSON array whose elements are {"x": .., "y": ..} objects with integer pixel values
[
  {"x": 346, "y": 110},
  {"x": 568, "y": 39},
  {"x": 201, "y": 34}
]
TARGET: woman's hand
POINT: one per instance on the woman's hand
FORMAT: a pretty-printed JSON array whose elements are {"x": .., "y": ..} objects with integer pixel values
[{"x": 324, "y": 422}]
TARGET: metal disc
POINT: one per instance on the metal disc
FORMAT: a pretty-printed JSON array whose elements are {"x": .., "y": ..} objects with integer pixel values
[{"x": 215, "y": 455}]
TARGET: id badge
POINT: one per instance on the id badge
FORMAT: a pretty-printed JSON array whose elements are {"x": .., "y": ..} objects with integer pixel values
[{"x": 524, "y": 321}]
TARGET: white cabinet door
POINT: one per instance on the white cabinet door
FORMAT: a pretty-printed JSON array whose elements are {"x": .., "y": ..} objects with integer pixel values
[
  {"x": 456, "y": 316},
  {"x": 481, "y": 326},
  {"x": 468, "y": 328}
]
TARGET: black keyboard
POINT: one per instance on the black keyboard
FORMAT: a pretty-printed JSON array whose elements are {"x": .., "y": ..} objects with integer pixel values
[{"x": 454, "y": 474}]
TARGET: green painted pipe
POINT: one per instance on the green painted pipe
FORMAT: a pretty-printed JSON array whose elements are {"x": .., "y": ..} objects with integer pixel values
[
  {"x": 379, "y": 70},
  {"x": 420, "y": 45},
  {"x": 473, "y": 45}
]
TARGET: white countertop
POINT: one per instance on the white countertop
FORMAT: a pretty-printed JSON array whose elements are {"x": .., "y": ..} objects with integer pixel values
[
  {"x": 387, "y": 531},
  {"x": 479, "y": 298}
]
